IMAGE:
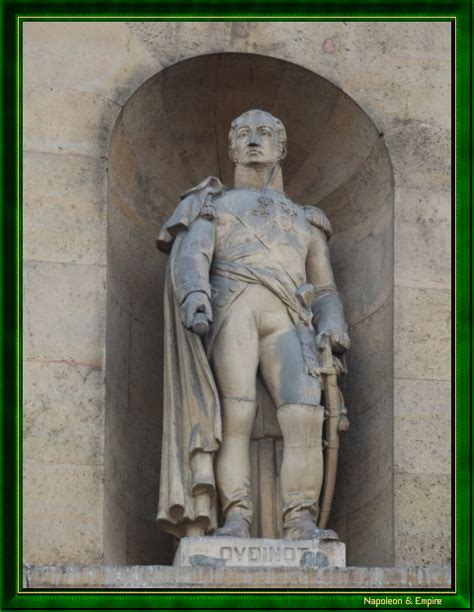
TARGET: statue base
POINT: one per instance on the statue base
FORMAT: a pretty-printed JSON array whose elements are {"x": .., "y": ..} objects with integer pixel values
[{"x": 262, "y": 552}]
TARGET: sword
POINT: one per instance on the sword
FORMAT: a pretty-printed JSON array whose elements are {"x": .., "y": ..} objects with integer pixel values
[{"x": 336, "y": 421}]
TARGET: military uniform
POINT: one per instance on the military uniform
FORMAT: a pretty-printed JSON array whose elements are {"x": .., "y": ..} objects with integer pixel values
[{"x": 252, "y": 251}]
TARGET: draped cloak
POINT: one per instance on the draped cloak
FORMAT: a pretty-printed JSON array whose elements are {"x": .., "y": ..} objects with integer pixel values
[{"x": 192, "y": 428}]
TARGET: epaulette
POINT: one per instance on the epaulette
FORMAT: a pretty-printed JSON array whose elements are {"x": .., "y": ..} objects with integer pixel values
[
  {"x": 195, "y": 202},
  {"x": 316, "y": 217}
]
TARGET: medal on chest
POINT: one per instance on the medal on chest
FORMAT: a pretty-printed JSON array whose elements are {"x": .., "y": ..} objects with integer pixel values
[{"x": 278, "y": 210}]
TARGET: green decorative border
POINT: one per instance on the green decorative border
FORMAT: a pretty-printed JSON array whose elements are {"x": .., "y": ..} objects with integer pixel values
[{"x": 13, "y": 12}]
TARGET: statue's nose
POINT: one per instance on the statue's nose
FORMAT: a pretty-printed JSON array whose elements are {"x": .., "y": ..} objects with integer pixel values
[{"x": 254, "y": 140}]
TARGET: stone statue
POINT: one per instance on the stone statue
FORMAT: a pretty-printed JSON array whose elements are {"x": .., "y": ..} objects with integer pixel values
[{"x": 250, "y": 299}]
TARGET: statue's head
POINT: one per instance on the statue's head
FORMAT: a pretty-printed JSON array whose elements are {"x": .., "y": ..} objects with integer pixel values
[{"x": 257, "y": 137}]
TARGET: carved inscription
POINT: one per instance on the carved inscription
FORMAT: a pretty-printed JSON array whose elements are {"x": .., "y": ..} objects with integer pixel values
[
  {"x": 265, "y": 552},
  {"x": 262, "y": 554}
]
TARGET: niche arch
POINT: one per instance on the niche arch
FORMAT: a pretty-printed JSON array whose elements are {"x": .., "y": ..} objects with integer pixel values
[{"x": 170, "y": 135}]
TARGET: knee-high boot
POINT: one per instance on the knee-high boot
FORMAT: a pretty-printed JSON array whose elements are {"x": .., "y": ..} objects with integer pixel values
[
  {"x": 301, "y": 474},
  {"x": 233, "y": 468}
]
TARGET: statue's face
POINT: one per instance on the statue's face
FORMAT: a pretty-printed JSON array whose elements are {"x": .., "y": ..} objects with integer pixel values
[{"x": 255, "y": 141}]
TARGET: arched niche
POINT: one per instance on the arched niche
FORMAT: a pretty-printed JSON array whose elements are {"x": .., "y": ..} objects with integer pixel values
[{"x": 171, "y": 134}]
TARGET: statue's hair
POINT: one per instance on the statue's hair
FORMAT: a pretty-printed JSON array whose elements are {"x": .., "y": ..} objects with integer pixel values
[{"x": 279, "y": 128}]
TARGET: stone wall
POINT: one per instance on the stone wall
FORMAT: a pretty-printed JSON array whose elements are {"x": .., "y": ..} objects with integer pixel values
[{"x": 77, "y": 77}]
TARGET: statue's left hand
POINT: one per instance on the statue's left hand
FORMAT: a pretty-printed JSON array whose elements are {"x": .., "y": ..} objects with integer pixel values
[{"x": 340, "y": 341}]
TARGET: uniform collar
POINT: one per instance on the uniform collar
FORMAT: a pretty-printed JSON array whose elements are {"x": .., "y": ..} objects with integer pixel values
[{"x": 248, "y": 176}]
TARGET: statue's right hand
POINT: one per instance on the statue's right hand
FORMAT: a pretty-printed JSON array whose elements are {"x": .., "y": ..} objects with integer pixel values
[{"x": 194, "y": 303}]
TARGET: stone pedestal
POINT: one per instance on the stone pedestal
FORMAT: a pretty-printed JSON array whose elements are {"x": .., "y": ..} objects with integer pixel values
[{"x": 264, "y": 552}]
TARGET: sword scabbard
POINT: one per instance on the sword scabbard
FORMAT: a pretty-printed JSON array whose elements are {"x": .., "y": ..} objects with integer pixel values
[{"x": 333, "y": 411}]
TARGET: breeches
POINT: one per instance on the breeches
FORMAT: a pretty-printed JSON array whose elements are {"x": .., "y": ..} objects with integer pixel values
[{"x": 255, "y": 334}]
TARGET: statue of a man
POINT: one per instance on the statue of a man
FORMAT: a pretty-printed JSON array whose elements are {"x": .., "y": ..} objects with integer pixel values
[{"x": 250, "y": 294}]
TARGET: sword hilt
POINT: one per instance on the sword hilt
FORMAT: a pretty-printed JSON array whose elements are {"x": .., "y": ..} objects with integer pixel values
[{"x": 200, "y": 324}]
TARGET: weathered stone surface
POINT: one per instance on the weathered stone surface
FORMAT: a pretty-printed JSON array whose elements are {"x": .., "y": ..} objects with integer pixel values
[
  {"x": 388, "y": 41},
  {"x": 422, "y": 509},
  {"x": 118, "y": 345},
  {"x": 64, "y": 312},
  {"x": 352, "y": 55},
  {"x": 62, "y": 512},
  {"x": 365, "y": 197},
  {"x": 372, "y": 547},
  {"x": 422, "y": 333},
  {"x": 422, "y": 424},
  {"x": 115, "y": 531},
  {"x": 420, "y": 154},
  {"x": 423, "y": 238},
  {"x": 50, "y": 58},
  {"x": 406, "y": 90},
  {"x": 370, "y": 359},
  {"x": 105, "y": 58},
  {"x": 367, "y": 456},
  {"x": 63, "y": 413},
  {"x": 365, "y": 276},
  {"x": 262, "y": 552},
  {"x": 139, "y": 577},
  {"x": 136, "y": 269},
  {"x": 132, "y": 473},
  {"x": 67, "y": 121},
  {"x": 64, "y": 208}
]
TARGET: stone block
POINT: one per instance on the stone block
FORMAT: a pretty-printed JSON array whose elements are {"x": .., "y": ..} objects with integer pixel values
[
  {"x": 382, "y": 40},
  {"x": 103, "y": 57},
  {"x": 64, "y": 312},
  {"x": 422, "y": 333},
  {"x": 420, "y": 154},
  {"x": 423, "y": 238},
  {"x": 63, "y": 413},
  {"x": 422, "y": 426},
  {"x": 263, "y": 552},
  {"x": 71, "y": 54},
  {"x": 170, "y": 42},
  {"x": 67, "y": 121},
  {"x": 64, "y": 208},
  {"x": 422, "y": 519},
  {"x": 392, "y": 70},
  {"x": 62, "y": 513},
  {"x": 396, "y": 87},
  {"x": 309, "y": 578},
  {"x": 321, "y": 47}
]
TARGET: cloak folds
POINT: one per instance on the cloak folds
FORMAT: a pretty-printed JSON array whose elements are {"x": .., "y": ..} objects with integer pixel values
[{"x": 192, "y": 429}]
